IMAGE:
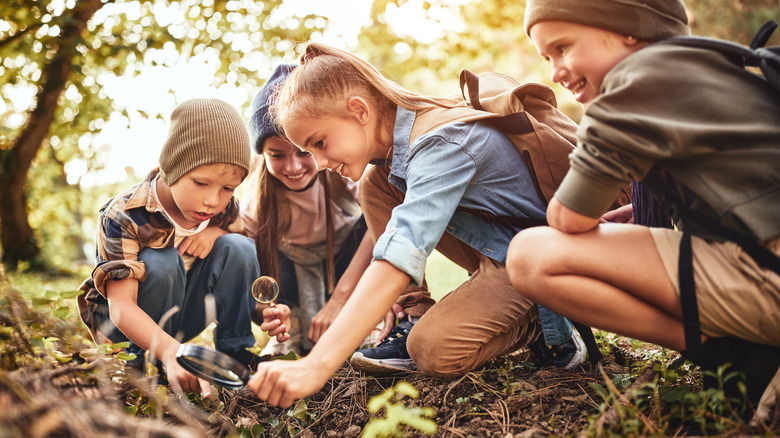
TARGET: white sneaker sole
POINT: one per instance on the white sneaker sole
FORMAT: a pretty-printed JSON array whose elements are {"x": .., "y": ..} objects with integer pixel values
[
  {"x": 582, "y": 350},
  {"x": 380, "y": 366}
]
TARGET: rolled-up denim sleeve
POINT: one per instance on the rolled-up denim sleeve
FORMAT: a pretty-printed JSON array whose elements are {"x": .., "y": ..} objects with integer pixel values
[
  {"x": 401, "y": 252},
  {"x": 437, "y": 174}
]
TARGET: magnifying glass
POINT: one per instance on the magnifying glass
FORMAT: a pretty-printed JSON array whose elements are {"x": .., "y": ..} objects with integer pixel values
[
  {"x": 213, "y": 366},
  {"x": 265, "y": 290}
]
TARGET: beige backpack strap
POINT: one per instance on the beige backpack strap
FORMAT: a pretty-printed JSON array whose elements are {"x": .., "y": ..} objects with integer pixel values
[{"x": 527, "y": 113}]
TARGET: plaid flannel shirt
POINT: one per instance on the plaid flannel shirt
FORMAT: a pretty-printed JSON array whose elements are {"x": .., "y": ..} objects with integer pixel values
[{"x": 127, "y": 224}]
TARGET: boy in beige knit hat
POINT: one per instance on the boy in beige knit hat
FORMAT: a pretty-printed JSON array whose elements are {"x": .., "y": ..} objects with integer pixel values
[
  {"x": 164, "y": 244},
  {"x": 704, "y": 135}
]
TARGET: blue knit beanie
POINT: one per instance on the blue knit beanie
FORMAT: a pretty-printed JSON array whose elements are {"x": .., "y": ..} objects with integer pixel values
[{"x": 260, "y": 124}]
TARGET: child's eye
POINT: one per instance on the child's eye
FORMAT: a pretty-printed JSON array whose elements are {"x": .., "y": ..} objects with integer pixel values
[
  {"x": 319, "y": 144},
  {"x": 229, "y": 189},
  {"x": 303, "y": 153},
  {"x": 199, "y": 183},
  {"x": 560, "y": 49}
]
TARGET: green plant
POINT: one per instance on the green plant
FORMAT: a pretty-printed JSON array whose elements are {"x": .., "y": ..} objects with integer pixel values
[{"x": 398, "y": 415}]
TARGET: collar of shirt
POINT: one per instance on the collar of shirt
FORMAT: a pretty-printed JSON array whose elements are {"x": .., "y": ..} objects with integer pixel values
[
  {"x": 143, "y": 196},
  {"x": 404, "y": 120}
]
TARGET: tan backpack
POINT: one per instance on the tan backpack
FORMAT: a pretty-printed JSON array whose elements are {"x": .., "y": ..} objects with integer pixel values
[{"x": 526, "y": 113}]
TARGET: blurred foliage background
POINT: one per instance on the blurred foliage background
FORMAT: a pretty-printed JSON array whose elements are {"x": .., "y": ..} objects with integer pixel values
[{"x": 57, "y": 57}]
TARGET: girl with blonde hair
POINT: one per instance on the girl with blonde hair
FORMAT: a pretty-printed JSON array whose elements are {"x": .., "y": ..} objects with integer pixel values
[
  {"x": 308, "y": 230},
  {"x": 413, "y": 191}
]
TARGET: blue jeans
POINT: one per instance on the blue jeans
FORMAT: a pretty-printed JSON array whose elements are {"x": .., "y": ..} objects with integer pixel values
[
  {"x": 226, "y": 274},
  {"x": 555, "y": 328}
]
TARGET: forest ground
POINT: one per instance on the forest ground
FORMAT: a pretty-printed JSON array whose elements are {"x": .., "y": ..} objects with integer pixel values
[{"x": 55, "y": 382}]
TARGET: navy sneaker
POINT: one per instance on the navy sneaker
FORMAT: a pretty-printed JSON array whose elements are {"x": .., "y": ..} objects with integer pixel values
[
  {"x": 389, "y": 356},
  {"x": 567, "y": 355}
]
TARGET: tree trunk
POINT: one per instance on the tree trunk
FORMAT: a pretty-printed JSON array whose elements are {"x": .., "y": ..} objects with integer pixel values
[{"x": 18, "y": 241}]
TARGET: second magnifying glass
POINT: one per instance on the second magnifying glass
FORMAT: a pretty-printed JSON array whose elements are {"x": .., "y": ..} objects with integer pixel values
[{"x": 265, "y": 290}]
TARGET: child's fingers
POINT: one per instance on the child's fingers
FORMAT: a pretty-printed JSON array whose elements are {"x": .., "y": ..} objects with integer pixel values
[
  {"x": 270, "y": 325},
  {"x": 185, "y": 244},
  {"x": 205, "y": 388},
  {"x": 284, "y": 336}
]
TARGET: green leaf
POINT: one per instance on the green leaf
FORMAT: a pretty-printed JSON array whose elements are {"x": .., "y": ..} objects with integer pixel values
[
  {"x": 125, "y": 356},
  {"x": 68, "y": 294}
]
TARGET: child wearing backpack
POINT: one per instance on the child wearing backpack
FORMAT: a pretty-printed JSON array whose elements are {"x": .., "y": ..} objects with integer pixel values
[
  {"x": 308, "y": 229},
  {"x": 704, "y": 135},
  {"x": 357, "y": 124},
  {"x": 166, "y": 244}
]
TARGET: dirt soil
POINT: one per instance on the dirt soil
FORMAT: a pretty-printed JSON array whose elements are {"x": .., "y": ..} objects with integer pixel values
[
  {"x": 503, "y": 399},
  {"x": 51, "y": 385},
  {"x": 506, "y": 398}
]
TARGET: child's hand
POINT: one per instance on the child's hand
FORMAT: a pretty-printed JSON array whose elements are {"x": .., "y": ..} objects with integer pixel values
[
  {"x": 182, "y": 380},
  {"x": 281, "y": 382},
  {"x": 324, "y": 318},
  {"x": 620, "y": 215},
  {"x": 395, "y": 312},
  {"x": 276, "y": 322},
  {"x": 199, "y": 245}
]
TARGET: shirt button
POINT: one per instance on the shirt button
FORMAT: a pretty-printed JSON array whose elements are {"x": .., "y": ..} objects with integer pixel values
[{"x": 488, "y": 250}]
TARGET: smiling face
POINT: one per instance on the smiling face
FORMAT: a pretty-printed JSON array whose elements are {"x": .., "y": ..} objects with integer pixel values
[
  {"x": 581, "y": 56},
  {"x": 293, "y": 167},
  {"x": 344, "y": 145},
  {"x": 201, "y": 193}
]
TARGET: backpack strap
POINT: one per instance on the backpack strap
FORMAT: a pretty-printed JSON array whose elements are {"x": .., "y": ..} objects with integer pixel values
[
  {"x": 515, "y": 123},
  {"x": 690, "y": 307},
  {"x": 756, "y": 55},
  {"x": 688, "y": 301},
  {"x": 763, "y": 34},
  {"x": 586, "y": 333}
]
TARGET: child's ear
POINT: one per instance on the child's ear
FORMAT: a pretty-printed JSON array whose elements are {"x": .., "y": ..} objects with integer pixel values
[{"x": 358, "y": 108}]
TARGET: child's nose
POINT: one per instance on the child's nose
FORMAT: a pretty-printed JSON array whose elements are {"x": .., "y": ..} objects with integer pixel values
[
  {"x": 212, "y": 199},
  {"x": 558, "y": 72},
  {"x": 294, "y": 164},
  {"x": 321, "y": 162}
]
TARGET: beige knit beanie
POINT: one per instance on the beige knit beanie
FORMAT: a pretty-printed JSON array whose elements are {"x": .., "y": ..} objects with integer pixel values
[
  {"x": 204, "y": 131},
  {"x": 646, "y": 20}
]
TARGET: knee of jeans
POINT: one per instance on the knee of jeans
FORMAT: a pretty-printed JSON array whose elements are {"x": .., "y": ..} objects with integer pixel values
[
  {"x": 238, "y": 248},
  {"x": 433, "y": 357},
  {"x": 163, "y": 266}
]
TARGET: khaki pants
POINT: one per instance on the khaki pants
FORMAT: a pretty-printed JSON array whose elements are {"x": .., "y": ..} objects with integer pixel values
[
  {"x": 481, "y": 319},
  {"x": 736, "y": 296}
]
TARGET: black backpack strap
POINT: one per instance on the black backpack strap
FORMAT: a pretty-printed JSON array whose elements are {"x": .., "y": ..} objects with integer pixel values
[
  {"x": 586, "y": 333},
  {"x": 690, "y": 307},
  {"x": 757, "y": 55},
  {"x": 760, "y": 254},
  {"x": 763, "y": 34}
]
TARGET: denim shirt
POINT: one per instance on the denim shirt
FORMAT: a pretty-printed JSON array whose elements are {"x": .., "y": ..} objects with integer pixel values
[{"x": 461, "y": 164}]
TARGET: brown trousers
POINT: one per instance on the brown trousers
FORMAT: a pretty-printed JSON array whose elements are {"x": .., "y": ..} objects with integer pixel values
[{"x": 482, "y": 318}]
